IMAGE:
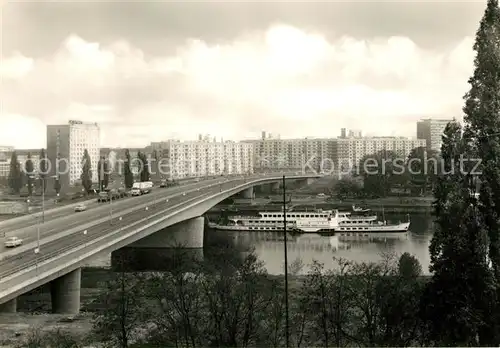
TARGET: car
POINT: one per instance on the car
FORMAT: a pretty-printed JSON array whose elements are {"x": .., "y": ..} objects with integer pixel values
[
  {"x": 13, "y": 242},
  {"x": 80, "y": 207}
]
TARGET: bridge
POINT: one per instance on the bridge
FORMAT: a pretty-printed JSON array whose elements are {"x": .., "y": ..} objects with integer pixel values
[{"x": 55, "y": 251}]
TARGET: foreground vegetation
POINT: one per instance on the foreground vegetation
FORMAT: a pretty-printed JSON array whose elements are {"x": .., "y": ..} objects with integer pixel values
[{"x": 239, "y": 304}]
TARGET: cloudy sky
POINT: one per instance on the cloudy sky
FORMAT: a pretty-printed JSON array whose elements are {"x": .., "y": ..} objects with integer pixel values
[{"x": 150, "y": 71}]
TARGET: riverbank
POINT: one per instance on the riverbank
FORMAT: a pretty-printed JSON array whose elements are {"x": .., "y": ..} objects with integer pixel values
[{"x": 395, "y": 205}]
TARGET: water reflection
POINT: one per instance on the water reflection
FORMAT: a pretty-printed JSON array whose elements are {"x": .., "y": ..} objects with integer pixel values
[{"x": 309, "y": 247}]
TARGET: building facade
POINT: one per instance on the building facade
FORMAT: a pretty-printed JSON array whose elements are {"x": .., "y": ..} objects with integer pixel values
[
  {"x": 65, "y": 148},
  {"x": 350, "y": 151},
  {"x": 431, "y": 130},
  {"x": 182, "y": 159},
  {"x": 22, "y": 157},
  {"x": 325, "y": 155}
]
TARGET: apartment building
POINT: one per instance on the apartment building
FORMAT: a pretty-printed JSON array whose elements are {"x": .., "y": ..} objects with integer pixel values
[
  {"x": 308, "y": 154},
  {"x": 327, "y": 155},
  {"x": 349, "y": 151},
  {"x": 5, "y": 155},
  {"x": 22, "y": 158},
  {"x": 65, "y": 148},
  {"x": 204, "y": 157},
  {"x": 431, "y": 130}
]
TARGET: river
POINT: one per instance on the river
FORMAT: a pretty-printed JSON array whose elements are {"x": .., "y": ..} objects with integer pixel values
[{"x": 308, "y": 247}]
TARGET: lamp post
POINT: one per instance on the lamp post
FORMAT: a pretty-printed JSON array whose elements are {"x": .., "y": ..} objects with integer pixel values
[
  {"x": 85, "y": 233},
  {"x": 287, "y": 333},
  {"x": 43, "y": 192},
  {"x": 37, "y": 251},
  {"x": 110, "y": 208}
]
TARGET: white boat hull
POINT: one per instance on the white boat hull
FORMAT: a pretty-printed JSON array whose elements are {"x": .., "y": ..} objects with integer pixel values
[{"x": 341, "y": 230}]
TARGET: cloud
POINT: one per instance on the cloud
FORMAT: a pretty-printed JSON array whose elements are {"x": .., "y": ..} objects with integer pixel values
[{"x": 285, "y": 80}]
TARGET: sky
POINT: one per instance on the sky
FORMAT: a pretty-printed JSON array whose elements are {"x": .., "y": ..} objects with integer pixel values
[{"x": 151, "y": 71}]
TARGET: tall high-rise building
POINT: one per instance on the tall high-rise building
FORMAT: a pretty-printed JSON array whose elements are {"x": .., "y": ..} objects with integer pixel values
[
  {"x": 65, "y": 148},
  {"x": 431, "y": 130}
]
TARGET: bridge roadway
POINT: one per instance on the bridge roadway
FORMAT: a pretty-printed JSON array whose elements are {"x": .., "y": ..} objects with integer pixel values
[
  {"x": 27, "y": 228},
  {"x": 18, "y": 223},
  {"x": 65, "y": 246}
]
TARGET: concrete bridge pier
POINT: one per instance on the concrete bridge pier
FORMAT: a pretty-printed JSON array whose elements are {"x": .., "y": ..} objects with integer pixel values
[
  {"x": 179, "y": 245},
  {"x": 9, "y": 306},
  {"x": 275, "y": 187},
  {"x": 186, "y": 234},
  {"x": 65, "y": 293},
  {"x": 248, "y": 193}
]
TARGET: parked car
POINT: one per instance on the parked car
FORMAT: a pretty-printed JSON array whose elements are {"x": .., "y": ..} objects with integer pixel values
[
  {"x": 13, "y": 242},
  {"x": 80, "y": 207}
]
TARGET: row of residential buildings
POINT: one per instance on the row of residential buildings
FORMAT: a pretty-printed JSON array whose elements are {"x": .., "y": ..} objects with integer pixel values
[{"x": 209, "y": 156}]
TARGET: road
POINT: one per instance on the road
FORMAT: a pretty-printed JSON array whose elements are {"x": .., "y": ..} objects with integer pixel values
[
  {"x": 67, "y": 219},
  {"x": 63, "y": 210},
  {"x": 11, "y": 264}
]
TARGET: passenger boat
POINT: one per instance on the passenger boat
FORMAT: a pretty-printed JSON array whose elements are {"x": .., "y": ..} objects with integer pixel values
[{"x": 308, "y": 222}]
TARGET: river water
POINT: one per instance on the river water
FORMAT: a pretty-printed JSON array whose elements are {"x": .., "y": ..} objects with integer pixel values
[{"x": 308, "y": 247}]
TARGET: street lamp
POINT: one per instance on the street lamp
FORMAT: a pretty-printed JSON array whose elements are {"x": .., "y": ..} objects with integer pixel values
[
  {"x": 37, "y": 251},
  {"x": 85, "y": 233},
  {"x": 43, "y": 192},
  {"x": 37, "y": 229},
  {"x": 110, "y": 208}
]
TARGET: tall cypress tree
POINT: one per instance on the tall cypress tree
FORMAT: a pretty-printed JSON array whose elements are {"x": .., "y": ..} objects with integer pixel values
[
  {"x": 101, "y": 173},
  {"x": 86, "y": 176},
  {"x": 459, "y": 301},
  {"x": 144, "y": 170},
  {"x": 482, "y": 110},
  {"x": 129, "y": 176},
  {"x": 482, "y": 117},
  {"x": 15, "y": 175},
  {"x": 29, "y": 173},
  {"x": 43, "y": 168}
]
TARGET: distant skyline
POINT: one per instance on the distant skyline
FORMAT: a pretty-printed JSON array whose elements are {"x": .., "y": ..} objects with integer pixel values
[{"x": 151, "y": 71}]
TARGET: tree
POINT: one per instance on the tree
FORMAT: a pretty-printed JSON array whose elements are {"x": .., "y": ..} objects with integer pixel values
[
  {"x": 125, "y": 311},
  {"x": 129, "y": 176},
  {"x": 15, "y": 175},
  {"x": 42, "y": 168},
  {"x": 459, "y": 261},
  {"x": 155, "y": 166},
  {"x": 422, "y": 166},
  {"x": 29, "y": 174},
  {"x": 86, "y": 175},
  {"x": 144, "y": 170},
  {"x": 379, "y": 172},
  {"x": 347, "y": 188},
  {"x": 482, "y": 107},
  {"x": 409, "y": 267},
  {"x": 103, "y": 173}
]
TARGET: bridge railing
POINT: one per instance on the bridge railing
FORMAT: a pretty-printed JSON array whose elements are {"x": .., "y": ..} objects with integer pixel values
[{"x": 127, "y": 221}]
